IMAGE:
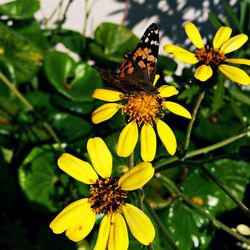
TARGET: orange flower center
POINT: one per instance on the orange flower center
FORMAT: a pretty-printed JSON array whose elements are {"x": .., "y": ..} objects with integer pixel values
[
  {"x": 106, "y": 196},
  {"x": 210, "y": 56},
  {"x": 143, "y": 108}
]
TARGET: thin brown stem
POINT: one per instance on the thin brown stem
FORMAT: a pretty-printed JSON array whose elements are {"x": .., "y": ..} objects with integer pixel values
[{"x": 27, "y": 104}]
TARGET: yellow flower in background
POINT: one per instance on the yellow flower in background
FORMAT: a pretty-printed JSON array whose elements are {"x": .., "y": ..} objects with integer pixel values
[
  {"x": 107, "y": 197},
  {"x": 145, "y": 111},
  {"x": 215, "y": 56}
]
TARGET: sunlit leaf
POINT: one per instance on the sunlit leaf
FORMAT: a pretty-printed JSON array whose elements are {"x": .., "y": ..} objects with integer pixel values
[
  {"x": 37, "y": 178},
  {"x": 115, "y": 41},
  {"x": 20, "y": 9},
  {"x": 19, "y": 52},
  {"x": 76, "y": 81}
]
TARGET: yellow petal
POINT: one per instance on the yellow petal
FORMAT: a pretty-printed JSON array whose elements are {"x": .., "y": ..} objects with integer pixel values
[
  {"x": 127, "y": 139},
  {"x": 107, "y": 95},
  {"x": 233, "y": 43},
  {"x": 78, "y": 169},
  {"x": 136, "y": 177},
  {"x": 104, "y": 112},
  {"x": 194, "y": 35},
  {"x": 185, "y": 56},
  {"x": 177, "y": 109},
  {"x": 221, "y": 36},
  {"x": 77, "y": 219},
  {"x": 103, "y": 234},
  {"x": 239, "y": 61},
  {"x": 139, "y": 224},
  {"x": 100, "y": 156},
  {"x": 118, "y": 237},
  {"x": 148, "y": 143},
  {"x": 170, "y": 48},
  {"x": 156, "y": 79},
  {"x": 167, "y": 91},
  {"x": 203, "y": 73},
  {"x": 167, "y": 137},
  {"x": 235, "y": 74}
]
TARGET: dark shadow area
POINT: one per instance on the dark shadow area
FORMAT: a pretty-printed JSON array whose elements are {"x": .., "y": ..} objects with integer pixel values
[{"x": 172, "y": 14}]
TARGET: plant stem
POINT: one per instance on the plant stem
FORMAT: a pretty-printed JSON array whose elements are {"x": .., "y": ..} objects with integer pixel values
[
  {"x": 163, "y": 229},
  {"x": 175, "y": 191},
  {"x": 191, "y": 123},
  {"x": 86, "y": 15},
  {"x": 242, "y": 206},
  {"x": 160, "y": 165},
  {"x": 125, "y": 12},
  {"x": 25, "y": 102},
  {"x": 140, "y": 193}
]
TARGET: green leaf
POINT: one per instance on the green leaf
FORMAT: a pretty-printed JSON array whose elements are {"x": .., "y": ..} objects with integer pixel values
[
  {"x": 186, "y": 226},
  {"x": 19, "y": 52},
  {"x": 38, "y": 180},
  {"x": 235, "y": 175},
  {"x": 214, "y": 20},
  {"x": 166, "y": 65},
  {"x": 214, "y": 129},
  {"x": 7, "y": 190},
  {"x": 76, "y": 81},
  {"x": 70, "y": 126},
  {"x": 20, "y": 9},
  {"x": 81, "y": 108},
  {"x": 72, "y": 40},
  {"x": 232, "y": 15},
  {"x": 189, "y": 94},
  {"x": 218, "y": 96},
  {"x": 32, "y": 30},
  {"x": 116, "y": 41},
  {"x": 239, "y": 95}
]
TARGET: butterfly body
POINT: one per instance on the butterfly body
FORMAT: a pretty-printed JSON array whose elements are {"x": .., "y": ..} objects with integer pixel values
[{"x": 137, "y": 71}]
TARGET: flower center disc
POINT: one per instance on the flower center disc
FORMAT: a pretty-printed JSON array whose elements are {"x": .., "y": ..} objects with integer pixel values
[
  {"x": 106, "y": 196},
  {"x": 210, "y": 56},
  {"x": 142, "y": 108}
]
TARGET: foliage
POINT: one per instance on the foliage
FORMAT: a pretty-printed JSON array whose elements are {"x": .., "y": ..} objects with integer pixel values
[{"x": 58, "y": 89}]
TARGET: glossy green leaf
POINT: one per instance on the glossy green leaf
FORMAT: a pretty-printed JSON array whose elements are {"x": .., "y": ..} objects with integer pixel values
[
  {"x": 19, "y": 52},
  {"x": 235, "y": 175},
  {"x": 37, "y": 179},
  {"x": 116, "y": 41},
  {"x": 81, "y": 108},
  {"x": 70, "y": 127},
  {"x": 20, "y": 9},
  {"x": 32, "y": 30},
  {"x": 76, "y": 81},
  {"x": 186, "y": 226},
  {"x": 72, "y": 40}
]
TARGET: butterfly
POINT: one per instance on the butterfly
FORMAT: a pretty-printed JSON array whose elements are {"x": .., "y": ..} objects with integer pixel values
[{"x": 138, "y": 68}]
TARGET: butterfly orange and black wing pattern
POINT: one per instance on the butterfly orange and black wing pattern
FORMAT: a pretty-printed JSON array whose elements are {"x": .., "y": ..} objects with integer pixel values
[{"x": 138, "y": 68}]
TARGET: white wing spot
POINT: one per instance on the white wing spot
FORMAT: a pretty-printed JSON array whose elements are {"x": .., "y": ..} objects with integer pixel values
[{"x": 146, "y": 40}]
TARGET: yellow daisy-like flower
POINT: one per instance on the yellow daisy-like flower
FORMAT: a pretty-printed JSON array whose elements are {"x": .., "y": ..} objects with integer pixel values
[
  {"x": 144, "y": 110},
  {"x": 215, "y": 56},
  {"x": 107, "y": 197}
]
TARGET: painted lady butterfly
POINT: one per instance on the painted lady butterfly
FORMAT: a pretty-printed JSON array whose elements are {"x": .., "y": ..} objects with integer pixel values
[{"x": 138, "y": 68}]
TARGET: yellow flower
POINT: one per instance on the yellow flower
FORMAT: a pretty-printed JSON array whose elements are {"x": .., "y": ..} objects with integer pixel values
[
  {"x": 215, "y": 56},
  {"x": 144, "y": 110},
  {"x": 107, "y": 197}
]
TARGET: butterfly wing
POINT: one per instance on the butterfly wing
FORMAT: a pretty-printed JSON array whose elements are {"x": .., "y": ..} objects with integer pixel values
[{"x": 139, "y": 66}]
